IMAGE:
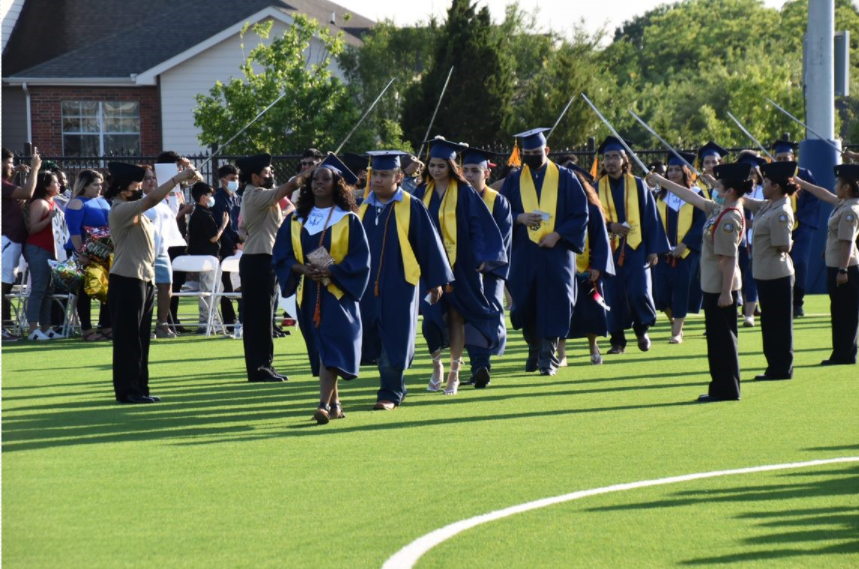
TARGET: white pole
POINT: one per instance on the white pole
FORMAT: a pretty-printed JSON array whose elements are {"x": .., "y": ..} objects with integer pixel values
[{"x": 820, "y": 68}]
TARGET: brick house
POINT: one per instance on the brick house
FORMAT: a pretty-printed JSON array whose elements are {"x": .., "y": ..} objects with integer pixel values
[{"x": 120, "y": 77}]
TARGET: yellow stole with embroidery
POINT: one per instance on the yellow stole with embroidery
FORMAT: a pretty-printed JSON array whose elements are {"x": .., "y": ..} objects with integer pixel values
[
  {"x": 684, "y": 221},
  {"x": 793, "y": 207},
  {"x": 583, "y": 261},
  {"x": 339, "y": 250},
  {"x": 403, "y": 218},
  {"x": 633, "y": 211},
  {"x": 548, "y": 202},
  {"x": 489, "y": 196},
  {"x": 446, "y": 216}
]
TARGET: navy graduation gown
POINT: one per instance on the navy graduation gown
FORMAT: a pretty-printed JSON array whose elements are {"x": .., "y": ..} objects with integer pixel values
[
  {"x": 542, "y": 281},
  {"x": 675, "y": 278},
  {"x": 391, "y": 319},
  {"x": 588, "y": 316},
  {"x": 337, "y": 341},
  {"x": 478, "y": 241}
]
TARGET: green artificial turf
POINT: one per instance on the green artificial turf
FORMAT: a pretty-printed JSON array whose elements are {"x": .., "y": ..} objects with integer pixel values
[{"x": 224, "y": 473}]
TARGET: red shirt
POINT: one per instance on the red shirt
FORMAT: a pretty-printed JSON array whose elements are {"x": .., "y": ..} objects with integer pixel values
[{"x": 45, "y": 237}]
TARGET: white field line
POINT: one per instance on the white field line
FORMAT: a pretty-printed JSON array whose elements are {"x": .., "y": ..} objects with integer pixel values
[{"x": 410, "y": 554}]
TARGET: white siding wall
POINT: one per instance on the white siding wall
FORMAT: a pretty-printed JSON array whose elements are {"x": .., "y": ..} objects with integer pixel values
[
  {"x": 180, "y": 84},
  {"x": 9, "y": 11}
]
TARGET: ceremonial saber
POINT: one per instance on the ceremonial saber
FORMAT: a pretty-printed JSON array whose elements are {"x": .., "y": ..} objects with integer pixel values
[
  {"x": 247, "y": 126},
  {"x": 808, "y": 128},
  {"x": 752, "y": 138},
  {"x": 557, "y": 122},
  {"x": 616, "y": 135},
  {"x": 437, "y": 105},
  {"x": 665, "y": 144},
  {"x": 351, "y": 132}
]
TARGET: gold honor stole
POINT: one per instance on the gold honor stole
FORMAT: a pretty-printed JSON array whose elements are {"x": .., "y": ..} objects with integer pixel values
[
  {"x": 548, "y": 202},
  {"x": 793, "y": 207},
  {"x": 633, "y": 212},
  {"x": 489, "y": 196},
  {"x": 583, "y": 261},
  {"x": 684, "y": 221},
  {"x": 703, "y": 187},
  {"x": 446, "y": 217},
  {"x": 403, "y": 217},
  {"x": 339, "y": 250}
]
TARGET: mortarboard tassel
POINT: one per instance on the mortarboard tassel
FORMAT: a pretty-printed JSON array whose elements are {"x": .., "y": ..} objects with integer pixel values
[{"x": 514, "y": 159}]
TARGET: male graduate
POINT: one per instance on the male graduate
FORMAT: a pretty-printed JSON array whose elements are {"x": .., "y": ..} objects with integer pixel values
[
  {"x": 476, "y": 169},
  {"x": 637, "y": 241},
  {"x": 550, "y": 219},
  {"x": 806, "y": 210},
  {"x": 404, "y": 248}
]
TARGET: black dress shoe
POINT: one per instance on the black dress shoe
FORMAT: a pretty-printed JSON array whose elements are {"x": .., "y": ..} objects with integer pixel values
[
  {"x": 530, "y": 365},
  {"x": 136, "y": 399},
  {"x": 765, "y": 377},
  {"x": 836, "y": 363},
  {"x": 154, "y": 398},
  {"x": 274, "y": 372},
  {"x": 481, "y": 378},
  {"x": 643, "y": 343},
  {"x": 615, "y": 350},
  {"x": 264, "y": 375},
  {"x": 710, "y": 399},
  {"x": 547, "y": 371}
]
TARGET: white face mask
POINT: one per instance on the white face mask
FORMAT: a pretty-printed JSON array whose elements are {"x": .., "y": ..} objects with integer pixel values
[
  {"x": 232, "y": 186},
  {"x": 210, "y": 202}
]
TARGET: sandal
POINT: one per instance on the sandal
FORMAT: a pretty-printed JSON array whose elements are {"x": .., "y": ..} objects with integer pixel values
[
  {"x": 435, "y": 384},
  {"x": 454, "y": 373},
  {"x": 92, "y": 336},
  {"x": 337, "y": 411},
  {"x": 321, "y": 416}
]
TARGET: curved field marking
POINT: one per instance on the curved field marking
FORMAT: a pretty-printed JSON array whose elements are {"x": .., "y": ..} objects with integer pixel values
[{"x": 410, "y": 554}]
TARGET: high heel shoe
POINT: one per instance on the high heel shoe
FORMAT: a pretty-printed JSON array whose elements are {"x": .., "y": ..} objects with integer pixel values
[
  {"x": 453, "y": 373},
  {"x": 435, "y": 384}
]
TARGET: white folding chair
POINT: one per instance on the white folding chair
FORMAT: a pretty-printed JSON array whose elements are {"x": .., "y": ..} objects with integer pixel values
[
  {"x": 198, "y": 264},
  {"x": 228, "y": 265}
]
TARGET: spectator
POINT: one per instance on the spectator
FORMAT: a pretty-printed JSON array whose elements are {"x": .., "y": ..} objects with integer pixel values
[
  {"x": 204, "y": 238},
  {"x": 38, "y": 249},
  {"x": 87, "y": 208},
  {"x": 227, "y": 202},
  {"x": 13, "y": 228}
]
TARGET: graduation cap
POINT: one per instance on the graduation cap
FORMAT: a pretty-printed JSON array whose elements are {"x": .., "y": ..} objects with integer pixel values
[
  {"x": 482, "y": 158},
  {"x": 612, "y": 144},
  {"x": 779, "y": 170},
  {"x": 533, "y": 139},
  {"x": 751, "y": 159},
  {"x": 124, "y": 171},
  {"x": 336, "y": 165},
  {"x": 254, "y": 164},
  {"x": 734, "y": 172},
  {"x": 386, "y": 159},
  {"x": 355, "y": 162},
  {"x": 850, "y": 171},
  {"x": 585, "y": 174},
  {"x": 782, "y": 146},
  {"x": 711, "y": 149},
  {"x": 673, "y": 160},
  {"x": 443, "y": 148}
]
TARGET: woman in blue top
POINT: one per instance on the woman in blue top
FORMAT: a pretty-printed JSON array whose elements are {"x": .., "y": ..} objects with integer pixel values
[{"x": 87, "y": 209}]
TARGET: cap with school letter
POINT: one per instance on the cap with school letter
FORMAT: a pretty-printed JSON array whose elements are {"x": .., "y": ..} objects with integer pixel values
[
  {"x": 585, "y": 174},
  {"x": 336, "y": 165},
  {"x": 751, "y": 159},
  {"x": 482, "y": 158},
  {"x": 782, "y": 146},
  {"x": 124, "y": 171},
  {"x": 711, "y": 149},
  {"x": 779, "y": 170},
  {"x": 386, "y": 159},
  {"x": 612, "y": 144},
  {"x": 673, "y": 160},
  {"x": 735, "y": 172},
  {"x": 254, "y": 164},
  {"x": 443, "y": 148},
  {"x": 533, "y": 139},
  {"x": 850, "y": 171}
]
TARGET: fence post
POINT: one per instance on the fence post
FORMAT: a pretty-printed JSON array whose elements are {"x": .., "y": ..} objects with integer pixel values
[{"x": 214, "y": 165}]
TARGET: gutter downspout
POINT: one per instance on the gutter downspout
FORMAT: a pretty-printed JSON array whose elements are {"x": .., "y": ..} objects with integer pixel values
[{"x": 29, "y": 116}]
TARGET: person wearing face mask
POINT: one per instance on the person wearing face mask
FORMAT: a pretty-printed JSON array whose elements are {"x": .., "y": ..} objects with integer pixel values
[
  {"x": 204, "y": 238},
  {"x": 550, "y": 220},
  {"x": 131, "y": 294},
  {"x": 637, "y": 241},
  {"x": 262, "y": 215},
  {"x": 228, "y": 202}
]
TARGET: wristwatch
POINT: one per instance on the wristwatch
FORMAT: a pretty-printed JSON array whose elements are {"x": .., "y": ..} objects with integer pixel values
[{"x": 842, "y": 271}]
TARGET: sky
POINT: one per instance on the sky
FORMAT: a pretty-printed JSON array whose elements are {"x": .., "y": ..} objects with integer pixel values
[{"x": 557, "y": 15}]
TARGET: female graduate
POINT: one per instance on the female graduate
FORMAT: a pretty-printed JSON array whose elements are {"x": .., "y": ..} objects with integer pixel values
[
  {"x": 676, "y": 276},
  {"x": 328, "y": 296},
  {"x": 473, "y": 245},
  {"x": 720, "y": 275},
  {"x": 842, "y": 261},
  {"x": 750, "y": 287},
  {"x": 772, "y": 266}
]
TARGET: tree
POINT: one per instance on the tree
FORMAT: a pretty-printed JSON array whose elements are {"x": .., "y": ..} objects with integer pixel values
[{"x": 318, "y": 112}]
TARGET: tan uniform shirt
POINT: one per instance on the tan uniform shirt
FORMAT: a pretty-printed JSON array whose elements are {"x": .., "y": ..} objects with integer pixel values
[
  {"x": 843, "y": 226},
  {"x": 261, "y": 218},
  {"x": 133, "y": 240},
  {"x": 773, "y": 228},
  {"x": 720, "y": 239}
]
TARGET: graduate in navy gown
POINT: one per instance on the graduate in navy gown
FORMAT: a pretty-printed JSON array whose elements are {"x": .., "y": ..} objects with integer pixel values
[
  {"x": 806, "y": 212},
  {"x": 473, "y": 245},
  {"x": 550, "y": 219},
  {"x": 593, "y": 267},
  {"x": 677, "y": 274},
  {"x": 327, "y": 296},
  {"x": 405, "y": 251},
  {"x": 476, "y": 169},
  {"x": 637, "y": 242}
]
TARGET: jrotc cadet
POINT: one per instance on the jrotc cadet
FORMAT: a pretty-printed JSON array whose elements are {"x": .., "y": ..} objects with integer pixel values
[
  {"x": 637, "y": 242},
  {"x": 550, "y": 217},
  {"x": 720, "y": 274},
  {"x": 749, "y": 294},
  {"x": 806, "y": 211},
  {"x": 404, "y": 250},
  {"x": 842, "y": 261},
  {"x": 773, "y": 267},
  {"x": 476, "y": 168}
]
